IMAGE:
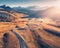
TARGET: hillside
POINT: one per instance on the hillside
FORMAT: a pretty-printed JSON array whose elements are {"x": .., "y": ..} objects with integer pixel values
[{"x": 19, "y": 32}]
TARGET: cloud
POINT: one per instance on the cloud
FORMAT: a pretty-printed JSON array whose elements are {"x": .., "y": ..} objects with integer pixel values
[{"x": 26, "y": 2}]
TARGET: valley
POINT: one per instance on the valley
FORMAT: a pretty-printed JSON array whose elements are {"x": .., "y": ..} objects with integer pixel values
[{"x": 19, "y": 32}]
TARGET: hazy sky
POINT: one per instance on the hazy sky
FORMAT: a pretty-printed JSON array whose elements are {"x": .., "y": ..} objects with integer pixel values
[{"x": 27, "y": 2}]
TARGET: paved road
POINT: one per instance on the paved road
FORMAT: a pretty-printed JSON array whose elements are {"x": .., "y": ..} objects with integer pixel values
[{"x": 23, "y": 45}]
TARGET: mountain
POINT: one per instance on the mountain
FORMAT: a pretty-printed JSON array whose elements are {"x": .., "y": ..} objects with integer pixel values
[
  {"x": 36, "y": 8},
  {"x": 7, "y": 8},
  {"x": 31, "y": 11},
  {"x": 34, "y": 33},
  {"x": 39, "y": 12}
]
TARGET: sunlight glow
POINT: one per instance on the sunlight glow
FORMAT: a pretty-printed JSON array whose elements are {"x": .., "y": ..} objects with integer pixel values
[{"x": 57, "y": 4}]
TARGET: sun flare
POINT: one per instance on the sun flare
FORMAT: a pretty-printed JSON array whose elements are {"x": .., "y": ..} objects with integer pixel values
[{"x": 57, "y": 4}]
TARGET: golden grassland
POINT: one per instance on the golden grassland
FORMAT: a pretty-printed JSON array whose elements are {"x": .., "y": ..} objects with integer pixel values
[{"x": 34, "y": 33}]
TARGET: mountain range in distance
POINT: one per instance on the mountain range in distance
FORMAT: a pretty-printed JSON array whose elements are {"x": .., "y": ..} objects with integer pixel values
[{"x": 35, "y": 11}]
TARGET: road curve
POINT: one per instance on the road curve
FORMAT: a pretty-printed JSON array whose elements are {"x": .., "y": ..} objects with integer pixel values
[{"x": 22, "y": 44}]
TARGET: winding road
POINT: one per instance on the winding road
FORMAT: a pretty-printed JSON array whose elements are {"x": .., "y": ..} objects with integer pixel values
[{"x": 23, "y": 45}]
